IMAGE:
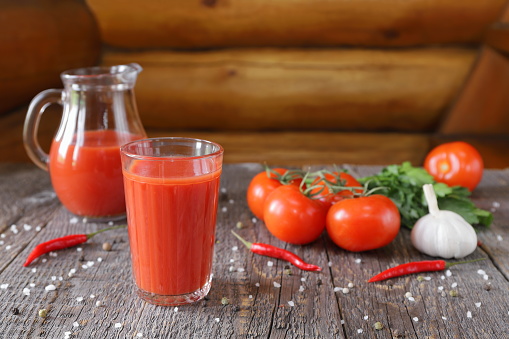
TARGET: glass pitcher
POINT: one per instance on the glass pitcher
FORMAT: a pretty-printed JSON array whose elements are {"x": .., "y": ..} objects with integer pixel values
[{"x": 99, "y": 115}]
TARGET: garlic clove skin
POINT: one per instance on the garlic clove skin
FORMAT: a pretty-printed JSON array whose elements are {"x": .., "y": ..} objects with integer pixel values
[
  {"x": 442, "y": 233},
  {"x": 446, "y": 235}
]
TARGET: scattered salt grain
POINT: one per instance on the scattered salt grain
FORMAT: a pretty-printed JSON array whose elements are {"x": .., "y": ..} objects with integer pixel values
[
  {"x": 99, "y": 259},
  {"x": 358, "y": 261},
  {"x": 477, "y": 304},
  {"x": 53, "y": 254},
  {"x": 34, "y": 270},
  {"x": 176, "y": 309},
  {"x": 75, "y": 324},
  {"x": 481, "y": 272},
  {"x": 276, "y": 284},
  {"x": 444, "y": 318},
  {"x": 329, "y": 263},
  {"x": 110, "y": 223},
  {"x": 231, "y": 269},
  {"x": 454, "y": 285},
  {"x": 337, "y": 289},
  {"x": 79, "y": 249},
  {"x": 254, "y": 220},
  {"x": 44, "y": 260},
  {"x": 216, "y": 320},
  {"x": 415, "y": 319},
  {"x": 270, "y": 263},
  {"x": 60, "y": 278},
  {"x": 235, "y": 248},
  {"x": 8, "y": 247},
  {"x": 408, "y": 295},
  {"x": 231, "y": 201},
  {"x": 342, "y": 321},
  {"x": 232, "y": 260},
  {"x": 250, "y": 296},
  {"x": 84, "y": 220},
  {"x": 240, "y": 269},
  {"x": 411, "y": 299},
  {"x": 366, "y": 317},
  {"x": 224, "y": 209},
  {"x": 496, "y": 204},
  {"x": 38, "y": 229},
  {"x": 53, "y": 277},
  {"x": 2, "y": 235},
  {"x": 139, "y": 334},
  {"x": 79, "y": 299},
  {"x": 427, "y": 278},
  {"x": 302, "y": 279},
  {"x": 118, "y": 325},
  {"x": 2, "y": 242},
  {"x": 27, "y": 227},
  {"x": 98, "y": 303},
  {"x": 257, "y": 284},
  {"x": 350, "y": 285},
  {"x": 73, "y": 220},
  {"x": 360, "y": 330},
  {"x": 223, "y": 189},
  {"x": 26, "y": 291},
  {"x": 84, "y": 267},
  {"x": 90, "y": 263},
  {"x": 345, "y": 290},
  {"x": 92, "y": 296},
  {"x": 301, "y": 288},
  {"x": 485, "y": 277},
  {"x": 469, "y": 314},
  {"x": 499, "y": 237},
  {"x": 442, "y": 277},
  {"x": 4, "y": 286},
  {"x": 440, "y": 288},
  {"x": 291, "y": 303}
]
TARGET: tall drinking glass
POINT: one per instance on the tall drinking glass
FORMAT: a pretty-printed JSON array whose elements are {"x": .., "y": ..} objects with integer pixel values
[{"x": 171, "y": 189}]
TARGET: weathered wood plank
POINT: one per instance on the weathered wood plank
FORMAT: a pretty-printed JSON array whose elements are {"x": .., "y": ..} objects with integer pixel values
[{"x": 256, "y": 307}]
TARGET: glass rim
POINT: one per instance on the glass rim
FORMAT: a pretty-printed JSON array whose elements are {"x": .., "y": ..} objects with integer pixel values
[
  {"x": 95, "y": 72},
  {"x": 123, "y": 149}
]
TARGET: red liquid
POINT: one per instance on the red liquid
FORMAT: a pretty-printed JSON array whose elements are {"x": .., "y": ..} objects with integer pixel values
[
  {"x": 171, "y": 229},
  {"x": 88, "y": 178}
]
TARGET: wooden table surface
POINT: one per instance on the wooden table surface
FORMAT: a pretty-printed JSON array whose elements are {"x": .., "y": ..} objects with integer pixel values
[{"x": 95, "y": 298}]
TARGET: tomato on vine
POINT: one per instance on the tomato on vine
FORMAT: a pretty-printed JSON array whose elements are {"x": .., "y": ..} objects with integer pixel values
[
  {"x": 293, "y": 217},
  {"x": 267, "y": 181},
  {"x": 330, "y": 187},
  {"x": 455, "y": 164},
  {"x": 363, "y": 223}
]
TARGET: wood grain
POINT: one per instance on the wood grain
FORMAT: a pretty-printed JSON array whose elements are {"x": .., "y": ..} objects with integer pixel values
[
  {"x": 483, "y": 104},
  {"x": 236, "y": 23},
  {"x": 41, "y": 39},
  {"x": 277, "y": 89},
  {"x": 256, "y": 308}
]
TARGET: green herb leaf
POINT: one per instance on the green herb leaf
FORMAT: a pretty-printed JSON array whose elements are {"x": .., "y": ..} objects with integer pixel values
[{"x": 403, "y": 185}]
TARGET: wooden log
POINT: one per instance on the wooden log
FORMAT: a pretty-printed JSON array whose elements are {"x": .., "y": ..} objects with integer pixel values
[
  {"x": 266, "y": 89},
  {"x": 39, "y": 40},
  {"x": 483, "y": 104},
  {"x": 232, "y": 23}
]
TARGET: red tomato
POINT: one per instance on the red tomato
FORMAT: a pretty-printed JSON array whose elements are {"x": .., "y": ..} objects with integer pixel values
[
  {"x": 455, "y": 163},
  {"x": 261, "y": 186},
  {"x": 292, "y": 217},
  {"x": 329, "y": 198},
  {"x": 362, "y": 224}
]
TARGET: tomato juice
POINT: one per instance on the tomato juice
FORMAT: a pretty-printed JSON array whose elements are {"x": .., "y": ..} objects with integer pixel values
[
  {"x": 86, "y": 172},
  {"x": 171, "y": 213}
]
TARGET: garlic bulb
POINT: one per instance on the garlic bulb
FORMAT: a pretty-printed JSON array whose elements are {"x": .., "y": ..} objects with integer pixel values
[{"x": 442, "y": 234}]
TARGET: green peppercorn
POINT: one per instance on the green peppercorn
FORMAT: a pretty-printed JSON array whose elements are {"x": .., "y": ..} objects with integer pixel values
[
  {"x": 225, "y": 301},
  {"x": 43, "y": 313},
  {"x": 378, "y": 325}
]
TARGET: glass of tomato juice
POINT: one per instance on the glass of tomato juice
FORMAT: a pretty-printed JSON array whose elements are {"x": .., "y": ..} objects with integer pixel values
[{"x": 171, "y": 190}]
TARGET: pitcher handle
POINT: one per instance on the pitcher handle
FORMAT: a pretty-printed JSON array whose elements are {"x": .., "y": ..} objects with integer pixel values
[{"x": 37, "y": 106}]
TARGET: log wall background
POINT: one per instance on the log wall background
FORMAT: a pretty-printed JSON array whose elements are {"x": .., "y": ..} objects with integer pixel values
[{"x": 368, "y": 82}]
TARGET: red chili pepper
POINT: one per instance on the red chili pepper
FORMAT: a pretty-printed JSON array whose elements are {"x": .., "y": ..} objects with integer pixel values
[
  {"x": 278, "y": 253},
  {"x": 417, "y": 267},
  {"x": 63, "y": 242}
]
